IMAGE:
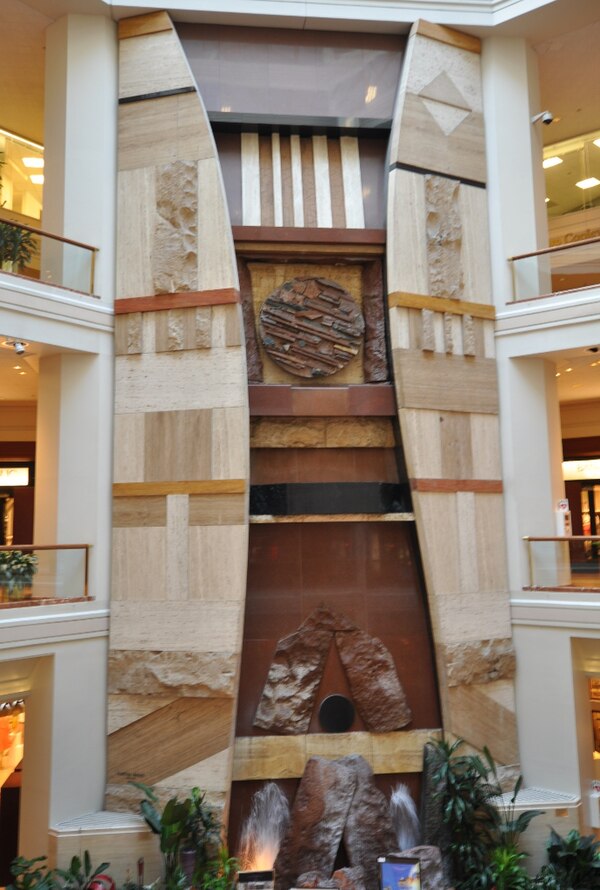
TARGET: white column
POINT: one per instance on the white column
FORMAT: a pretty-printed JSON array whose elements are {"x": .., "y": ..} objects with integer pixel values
[
  {"x": 516, "y": 189},
  {"x": 80, "y": 136}
]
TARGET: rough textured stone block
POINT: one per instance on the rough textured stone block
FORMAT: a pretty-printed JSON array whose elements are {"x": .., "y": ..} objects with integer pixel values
[
  {"x": 192, "y": 674},
  {"x": 368, "y": 832},
  {"x": 479, "y": 662},
  {"x": 444, "y": 237},
  {"x": 374, "y": 682},
  {"x": 175, "y": 251},
  {"x": 432, "y": 872},
  {"x": 349, "y": 878},
  {"x": 317, "y": 821}
]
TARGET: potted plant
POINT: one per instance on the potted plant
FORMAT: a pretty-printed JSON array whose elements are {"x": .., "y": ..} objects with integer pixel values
[
  {"x": 17, "y": 247},
  {"x": 17, "y": 568}
]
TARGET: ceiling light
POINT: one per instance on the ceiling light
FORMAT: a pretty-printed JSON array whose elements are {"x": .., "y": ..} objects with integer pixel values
[
  {"x": 37, "y": 178},
  {"x": 33, "y": 162},
  {"x": 587, "y": 183},
  {"x": 597, "y": 142},
  {"x": 17, "y": 367},
  {"x": 567, "y": 370},
  {"x": 557, "y": 374},
  {"x": 547, "y": 200},
  {"x": 22, "y": 373},
  {"x": 551, "y": 162},
  {"x": 21, "y": 139},
  {"x": 371, "y": 94}
]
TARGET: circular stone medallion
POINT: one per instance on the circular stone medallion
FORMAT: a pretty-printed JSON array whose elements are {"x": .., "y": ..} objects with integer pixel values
[{"x": 311, "y": 327}]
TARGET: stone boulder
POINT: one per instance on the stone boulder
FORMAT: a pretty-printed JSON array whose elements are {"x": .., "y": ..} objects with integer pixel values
[
  {"x": 432, "y": 871},
  {"x": 349, "y": 878}
]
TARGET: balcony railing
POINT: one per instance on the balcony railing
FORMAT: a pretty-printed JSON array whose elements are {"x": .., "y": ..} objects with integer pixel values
[
  {"x": 52, "y": 259},
  {"x": 556, "y": 269},
  {"x": 571, "y": 563},
  {"x": 36, "y": 574}
]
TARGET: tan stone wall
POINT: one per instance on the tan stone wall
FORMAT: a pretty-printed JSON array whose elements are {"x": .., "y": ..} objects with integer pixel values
[
  {"x": 181, "y": 438},
  {"x": 442, "y": 337}
]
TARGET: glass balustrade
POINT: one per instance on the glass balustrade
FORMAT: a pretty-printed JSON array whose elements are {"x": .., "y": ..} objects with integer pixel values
[
  {"x": 564, "y": 563},
  {"x": 32, "y": 253},
  {"x": 36, "y": 574},
  {"x": 556, "y": 269}
]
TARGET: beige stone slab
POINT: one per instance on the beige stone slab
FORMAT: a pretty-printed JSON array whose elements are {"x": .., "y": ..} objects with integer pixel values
[
  {"x": 136, "y": 219},
  {"x": 399, "y": 328},
  {"x": 475, "y": 248},
  {"x": 216, "y": 255},
  {"x": 422, "y": 442},
  {"x": 149, "y": 333},
  {"x": 229, "y": 444},
  {"x": 485, "y": 446},
  {"x": 154, "y": 674},
  {"x": 489, "y": 341},
  {"x": 337, "y": 745},
  {"x": 148, "y": 23},
  {"x": 406, "y": 233},
  {"x": 202, "y": 626},
  {"x": 218, "y": 558},
  {"x": 177, "y": 329},
  {"x": 446, "y": 382},
  {"x": 140, "y": 512},
  {"x": 124, "y": 709},
  {"x": 152, "y": 63},
  {"x": 226, "y": 325},
  {"x": 211, "y": 774},
  {"x": 491, "y": 545},
  {"x": 455, "y": 442},
  {"x": 128, "y": 456},
  {"x": 468, "y": 552},
  {"x": 476, "y": 717},
  {"x": 138, "y": 565},
  {"x": 460, "y": 80},
  {"x": 211, "y": 378},
  {"x": 177, "y": 581},
  {"x": 448, "y": 35},
  {"x": 273, "y": 757},
  {"x": 351, "y": 174},
  {"x": 224, "y": 509},
  {"x": 423, "y": 143},
  {"x": 160, "y": 131},
  {"x": 471, "y": 616},
  {"x": 503, "y": 693},
  {"x": 400, "y": 752},
  {"x": 250, "y": 167},
  {"x": 128, "y": 334},
  {"x": 177, "y": 445},
  {"x": 435, "y": 514},
  {"x": 188, "y": 731}
]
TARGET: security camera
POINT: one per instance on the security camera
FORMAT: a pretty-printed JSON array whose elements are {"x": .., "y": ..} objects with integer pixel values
[
  {"x": 546, "y": 117},
  {"x": 19, "y": 347}
]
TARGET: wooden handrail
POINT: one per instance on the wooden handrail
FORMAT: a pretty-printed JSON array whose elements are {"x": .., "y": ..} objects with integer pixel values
[
  {"x": 60, "y": 238},
  {"x": 555, "y": 248},
  {"x": 572, "y": 538},
  {"x": 28, "y": 547}
]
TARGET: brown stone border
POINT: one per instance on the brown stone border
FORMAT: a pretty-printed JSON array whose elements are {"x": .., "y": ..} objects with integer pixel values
[
  {"x": 484, "y": 486},
  {"x": 286, "y": 234},
  {"x": 206, "y": 486},
  {"x": 355, "y": 400},
  {"x": 183, "y": 300},
  {"x": 441, "y": 304}
]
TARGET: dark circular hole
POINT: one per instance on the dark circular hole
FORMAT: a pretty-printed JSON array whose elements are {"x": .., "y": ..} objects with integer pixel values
[{"x": 336, "y": 713}]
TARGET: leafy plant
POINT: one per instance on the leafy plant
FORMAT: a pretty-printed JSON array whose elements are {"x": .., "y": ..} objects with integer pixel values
[
  {"x": 17, "y": 569},
  {"x": 573, "y": 863},
  {"x": 188, "y": 825},
  {"x": 17, "y": 245},
  {"x": 32, "y": 874},
  {"x": 483, "y": 836},
  {"x": 80, "y": 876},
  {"x": 221, "y": 872},
  {"x": 507, "y": 871}
]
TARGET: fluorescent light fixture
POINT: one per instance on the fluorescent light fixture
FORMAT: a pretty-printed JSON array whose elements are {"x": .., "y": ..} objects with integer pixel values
[
  {"x": 33, "y": 162},
  {"x": 597, "y": 142},
  {"x": 371, "y": 93},
  {"x": 37, "y": 178},
  {"x": 587, "y": 183},
  {"x": 21, "y": 139},
  {"x": 14, "y": 476},
  {"x": 551, "y": 162}
]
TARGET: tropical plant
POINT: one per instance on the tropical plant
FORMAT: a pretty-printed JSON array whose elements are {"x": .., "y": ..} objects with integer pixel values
[
  {"x": 187, "y": 825},
  {"x": 17, "y": 568},
  {"x": 17, "y": 246},
  {"x": 507, "y": 870},
  {"x": 32, "y": 874},
  {"x": 573, "y": 863},
  {"x": 221, "y": 872},
  {"x": 483, "y": 835},
  {"x": 80, "y": 875}
]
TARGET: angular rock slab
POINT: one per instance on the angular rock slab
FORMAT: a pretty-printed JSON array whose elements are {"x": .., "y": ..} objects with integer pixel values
[
  {"x": 288, "y": 697},
  {"x": 349, "y": 878},
  {"x": 376, "y": 688},
  {"x": 317, "y": 821},
  {"x": 368, "y": 832}
]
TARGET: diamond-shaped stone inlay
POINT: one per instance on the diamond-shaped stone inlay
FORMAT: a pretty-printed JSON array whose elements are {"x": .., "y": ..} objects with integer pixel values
[
  {"x": 447, "y": 117},
  {"x": 445, "y": 103}
]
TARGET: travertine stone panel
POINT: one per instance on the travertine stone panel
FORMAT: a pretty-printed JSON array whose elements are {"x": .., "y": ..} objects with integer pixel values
[
  {"x": 128, "y": 452},
  {"x": 229, "y": 444},
  {"x": 177, "y": 329},
  {"x": 140, "y": 512},
  {"x": 407, "y": 236},
  {"x": 460, "y": 617},
  {"x": 226, "y": 326},
  {"x": 177, "y": 445},
  {"x": 194, "y": 379},
  {"x": 444, "y": 237},
  {"x": 224, "y": 509},
  {"x": 150, "y": 64},
  {"x": 124, "y": 708},
  {"x": 178, "y": 582},
  {"x": 210, "y": 625},
  {"x": 128, "y": 334},
  {"x": 190, "y": 674},
  {"x": 446, "y": 382},
  {"x": 227, "y": 575},
  {"x": 138, "y": 564},
  {"x": 189, "y": 730},
  {"x": 475, "y": 247},
  {"x": 136, "y": 201},
  {"x": 475, "y": 715},
  {"x": 479, "y": 662},
  {"x": 217, "y": 266}
]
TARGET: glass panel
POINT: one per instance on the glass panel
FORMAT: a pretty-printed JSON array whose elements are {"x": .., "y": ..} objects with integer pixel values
[
  {"x": 42, "y": 573},
  {"x": 34, "y": 254},
  {"x": 569, "y": 268},
  {"x": 565, "y": 564},
  {"x": 21, "y": 177}
]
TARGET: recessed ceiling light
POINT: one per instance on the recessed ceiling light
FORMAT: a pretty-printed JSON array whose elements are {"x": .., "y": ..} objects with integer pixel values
[
  {"x": 33, "y": 162},
  {"x": 22, "y": 373},
  {"x": 17, "y": 367},
  {"x": 597, "y": 142},
  {"x": 557, "y": 374},
  {"x": 551, "y": 162},
  {"x": 587, "y": 183},
  {"x": 567, "y": 370},
  {"x": 371, "y": 94},
  {"x": 37, "y": 178},
  {"x": 547, "y": 200}
]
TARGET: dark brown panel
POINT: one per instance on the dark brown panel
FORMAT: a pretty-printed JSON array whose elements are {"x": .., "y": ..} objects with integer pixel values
[
  {"x": 310, "y": 235},
  {"x": 308, "y": 183},
  {"x": 361, "y": 400},
  {"x": 279, "y": 465}
]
